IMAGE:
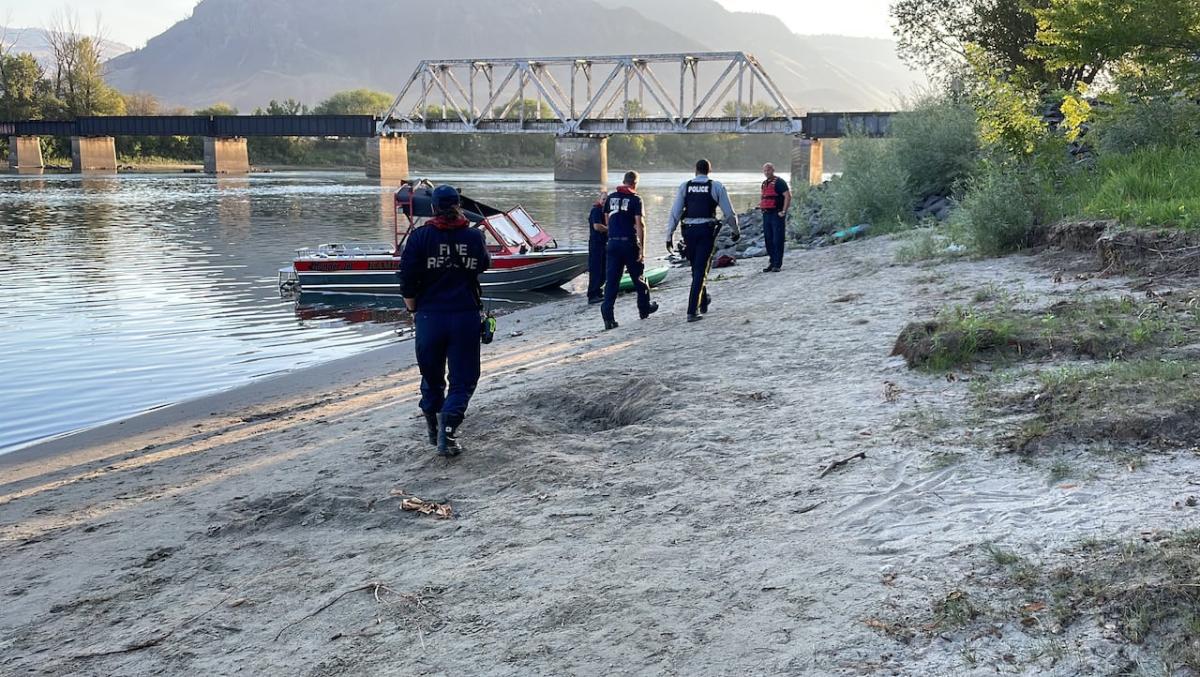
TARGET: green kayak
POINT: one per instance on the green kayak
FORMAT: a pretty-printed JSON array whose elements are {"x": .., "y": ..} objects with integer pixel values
[{"x": 654, "y": 276}]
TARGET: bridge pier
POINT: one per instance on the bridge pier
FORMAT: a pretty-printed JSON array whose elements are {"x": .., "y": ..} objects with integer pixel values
[
  {"x": 226, "y": 156},
  {"x": 387, "y": 157},
  {"x": 581, "y": 158},
  {"x": 808, "y": 161},
  {"x": 25, "y": 153},
  {"x": 93, "y": 154}
]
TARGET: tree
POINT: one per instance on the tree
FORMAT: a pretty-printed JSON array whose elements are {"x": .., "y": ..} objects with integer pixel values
[
  {"x": 23, "y": 88},
  {"x": 355, "y": 102},
  {"x": 533, "y": 109},
  {"x": 216, "y": 110},
  {"x": 78, "y": 78},
  {"x": 1153, "y": 40},
  {"x": 288, "y": 107},
  {"x": 140, "y": 103},
  {"x": 759, "y": 109},
  {"x": 935, "y": 35}
]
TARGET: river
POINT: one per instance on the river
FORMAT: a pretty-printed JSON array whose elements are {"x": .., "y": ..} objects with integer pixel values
[{"x": 126, "y": 293}]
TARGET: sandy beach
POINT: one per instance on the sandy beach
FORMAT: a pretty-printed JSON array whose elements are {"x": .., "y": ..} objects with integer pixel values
[{"x": 650, "y": 500}]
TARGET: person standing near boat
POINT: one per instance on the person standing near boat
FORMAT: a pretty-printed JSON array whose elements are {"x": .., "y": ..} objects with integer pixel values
[
  {"x": 439, "y": 279},
  {"x": 626, "y": 250},
  {"x": 597, "y": 249},
  {"x": 776, "y": 201},
  {"x": 696, "y": 205}
]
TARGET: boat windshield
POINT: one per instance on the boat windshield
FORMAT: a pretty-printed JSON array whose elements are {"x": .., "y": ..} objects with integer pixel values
[
  {"x": 504, "y": 230},
  {"x": 532, "y": 231}
]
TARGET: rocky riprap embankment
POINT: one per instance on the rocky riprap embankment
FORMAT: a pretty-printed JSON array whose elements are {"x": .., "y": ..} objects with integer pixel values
[{"x": 807, "y": 225}]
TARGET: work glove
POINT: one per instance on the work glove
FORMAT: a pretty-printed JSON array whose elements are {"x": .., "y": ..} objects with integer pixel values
[
  {"x": 737, "y": 235},
  {"x": 670, "y": 246}
]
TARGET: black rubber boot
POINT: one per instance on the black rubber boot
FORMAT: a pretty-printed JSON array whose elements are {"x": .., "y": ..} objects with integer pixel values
[
  {"x": 695, "y": 318},
  {"x": 447, "y": 442},
  {"x": 431, "y": 426},
  {"x": 653, "y": 309},
  {"x": 704, "y": 302},
  {"x": 610, "y": 324}
]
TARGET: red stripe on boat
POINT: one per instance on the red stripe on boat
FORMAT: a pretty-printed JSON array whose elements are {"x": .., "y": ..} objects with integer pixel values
[{"x": 333, "y": 265}]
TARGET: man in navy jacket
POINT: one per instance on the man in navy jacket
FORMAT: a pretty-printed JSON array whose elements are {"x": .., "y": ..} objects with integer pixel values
[
  {"x": 597, "y": 250},
  {"x": 439, "y": 279}
]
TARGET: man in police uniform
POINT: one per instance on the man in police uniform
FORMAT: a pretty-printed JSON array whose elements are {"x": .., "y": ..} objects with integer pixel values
[
  {"x": 696, "y": 205},
  {"x": 776, "y": 201},
  {"x": 626, "y": 250}
]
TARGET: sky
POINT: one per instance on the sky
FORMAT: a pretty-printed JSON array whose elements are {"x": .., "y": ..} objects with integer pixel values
[{"x": 133, "y": 22}]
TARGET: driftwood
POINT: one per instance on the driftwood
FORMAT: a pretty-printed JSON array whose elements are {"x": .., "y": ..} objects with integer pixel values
[
  {"x": 375, "y": 587},
  {"x": 808, "y": 508},
  {"x": 838, "y": 464},
  {"x": 156, "y": 640}
]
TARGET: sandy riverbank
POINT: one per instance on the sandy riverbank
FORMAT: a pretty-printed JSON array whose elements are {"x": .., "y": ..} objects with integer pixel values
[{"x": 642, "y": 501}]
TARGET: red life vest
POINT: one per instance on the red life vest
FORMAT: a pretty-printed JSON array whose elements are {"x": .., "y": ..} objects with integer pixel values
[{"x": 771, "y": 200}]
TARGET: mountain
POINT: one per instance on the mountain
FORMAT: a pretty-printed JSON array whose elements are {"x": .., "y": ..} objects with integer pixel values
[
  {"x": 246, "y": 52},
  {"x": 35, "y": 42},
  {"x": 815, "y": 71}
]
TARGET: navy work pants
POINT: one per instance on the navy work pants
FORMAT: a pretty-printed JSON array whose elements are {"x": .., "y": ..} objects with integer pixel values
[
  {"x": 623, "y": 254},
  {"x": 449, "y": 339},
  {"x": 597, "y": 268},
  {"x": 701, "y": 242},
  {"x": 776, "y": 237}
]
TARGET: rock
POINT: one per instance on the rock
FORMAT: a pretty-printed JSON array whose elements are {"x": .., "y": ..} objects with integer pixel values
[
  {"x": 754, "y": 252},
  {"x": 934, "y": 206}
]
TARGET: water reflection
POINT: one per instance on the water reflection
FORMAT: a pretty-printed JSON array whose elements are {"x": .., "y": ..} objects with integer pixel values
[
  {"x": 366, "y": 308},
  {"x": 352, "y": 309},
  {"x": 233, "y": 205}
]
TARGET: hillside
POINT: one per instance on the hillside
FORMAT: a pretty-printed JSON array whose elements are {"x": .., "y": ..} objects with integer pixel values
[
  {"x": 33, "y": 41},
  {"x": 815, "y": 71},
  {"x": 247, "y": 52}
]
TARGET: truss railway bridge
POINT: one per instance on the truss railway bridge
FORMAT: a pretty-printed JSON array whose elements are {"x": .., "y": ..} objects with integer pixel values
[{"x": 580, "y": 100}]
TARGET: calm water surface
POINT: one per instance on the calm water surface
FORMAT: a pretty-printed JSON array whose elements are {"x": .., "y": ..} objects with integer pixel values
[{"x": 125, "y": 293}]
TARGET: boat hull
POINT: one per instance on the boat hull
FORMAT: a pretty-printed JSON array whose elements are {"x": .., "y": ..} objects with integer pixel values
[{"x": 378, "y": 274}]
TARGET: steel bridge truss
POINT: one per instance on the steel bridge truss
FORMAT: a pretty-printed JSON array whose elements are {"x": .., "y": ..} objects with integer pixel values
[{"x": 718, "y": 92}]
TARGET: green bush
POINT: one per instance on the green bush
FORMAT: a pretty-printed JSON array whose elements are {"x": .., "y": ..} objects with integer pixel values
[
  {"x": 936, "y": 145},
  {"x": 999, "y": 210},
  {"x": 1126, "y": 127},
  {"x": 872, "y": 189},
  {"x": 1150, "y": 187}
]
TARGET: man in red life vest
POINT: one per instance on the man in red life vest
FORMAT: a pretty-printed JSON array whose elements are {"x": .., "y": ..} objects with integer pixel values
[{"x": 776, "y": 201}]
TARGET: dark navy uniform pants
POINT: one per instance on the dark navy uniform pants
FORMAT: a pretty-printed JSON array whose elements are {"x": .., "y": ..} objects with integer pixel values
[
  {"x": 597, "y": 268},
  {"x": 623, "y": 255},
  {"x": 449, "y": 339},
  {"x": 775, "y": 236},
  {"x": 701, "y": 241}
]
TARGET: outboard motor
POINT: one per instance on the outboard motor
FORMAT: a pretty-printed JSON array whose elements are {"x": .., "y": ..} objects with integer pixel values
[{"x": 415, "y": 200}]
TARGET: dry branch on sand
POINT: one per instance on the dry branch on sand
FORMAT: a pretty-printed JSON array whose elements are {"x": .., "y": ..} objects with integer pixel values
[
  {"x": 414, "y": 504},
  {"x": 840, "y": 463},
  {"x": 375, "y": 587}
]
